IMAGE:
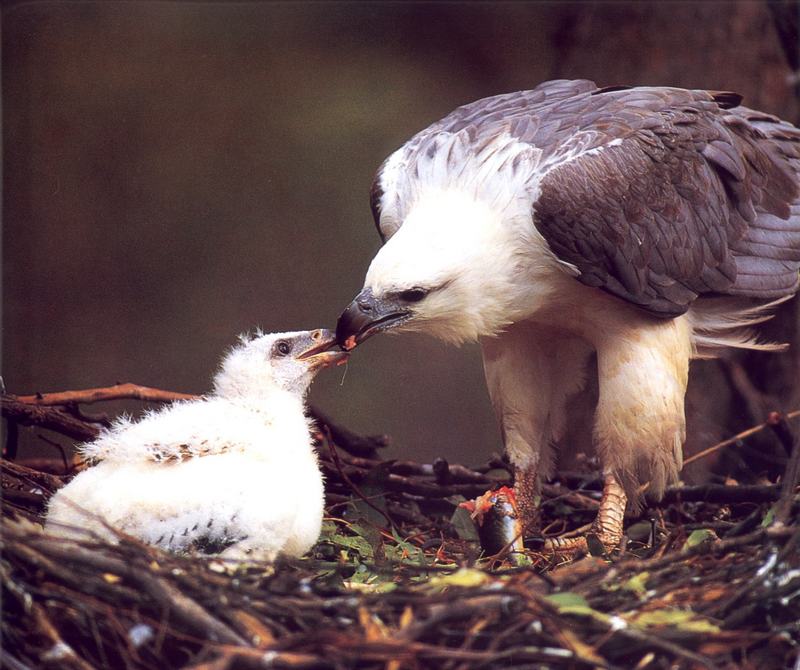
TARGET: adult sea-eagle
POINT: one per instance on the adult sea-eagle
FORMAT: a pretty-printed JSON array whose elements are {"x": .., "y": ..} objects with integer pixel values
[{"x": 650, "y": 225}]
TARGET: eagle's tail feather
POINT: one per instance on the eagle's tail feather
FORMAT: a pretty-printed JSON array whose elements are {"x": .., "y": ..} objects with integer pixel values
[{"x": 722, "y": 322}]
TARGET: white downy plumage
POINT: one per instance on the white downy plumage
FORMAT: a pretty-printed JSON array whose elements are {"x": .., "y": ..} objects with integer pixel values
[{"x": 232, "y": 472}]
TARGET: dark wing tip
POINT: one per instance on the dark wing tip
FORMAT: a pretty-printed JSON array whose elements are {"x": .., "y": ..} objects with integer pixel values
[
  {"x": 611, "y": 89},
  {"x": 375, "y": 195},
  {"x": 726, "y": 99}
]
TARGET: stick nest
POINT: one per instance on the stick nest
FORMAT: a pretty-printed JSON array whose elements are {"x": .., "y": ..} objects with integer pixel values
[{"x": 710, "y": 577}]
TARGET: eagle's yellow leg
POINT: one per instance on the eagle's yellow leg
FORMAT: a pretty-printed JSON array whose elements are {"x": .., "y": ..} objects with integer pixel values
[
  {"x": 607, "y": 526},
  {"x": 639, "y": 426},
  {"x": 526, "y": 493}
]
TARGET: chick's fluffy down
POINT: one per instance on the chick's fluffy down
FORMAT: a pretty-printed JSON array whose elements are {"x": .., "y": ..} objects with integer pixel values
[{"x": 233, "y": 473}]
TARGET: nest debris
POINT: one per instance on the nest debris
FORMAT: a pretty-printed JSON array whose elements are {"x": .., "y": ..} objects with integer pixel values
[{"x": 709, "y": 578}]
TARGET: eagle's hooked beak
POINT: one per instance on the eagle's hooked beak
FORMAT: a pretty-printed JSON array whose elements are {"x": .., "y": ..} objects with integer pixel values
[
  {"x": 368, "y": 315},
  {"x": 322, "y": 350}
]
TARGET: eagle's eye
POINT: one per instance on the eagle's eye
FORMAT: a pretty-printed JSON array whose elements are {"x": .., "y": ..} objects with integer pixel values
[
  {"x": 282, "y": 348},
  {"x": 413, "y": 294}
]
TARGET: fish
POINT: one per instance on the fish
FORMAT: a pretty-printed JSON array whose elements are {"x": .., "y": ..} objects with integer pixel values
[{"x": 499, "y": 527}]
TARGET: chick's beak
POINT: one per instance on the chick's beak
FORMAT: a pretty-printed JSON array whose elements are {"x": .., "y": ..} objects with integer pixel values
[
  {"x": 367, "y": 315},
  {"x": 322, "y": 350}
]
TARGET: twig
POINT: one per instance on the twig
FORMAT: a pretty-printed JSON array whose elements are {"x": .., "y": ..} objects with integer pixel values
[
  {"x": 791, "y": 476},
  {"x": 774, "y": 557},
  {"x": 11, "y": 446},
  {"x": 24, "y": 500},
  {"x": 36, "y": 477},
  {"x": 755, "y": 401},
  {"x": 736, "y": 438},
  {"x": 47, "y": 417},
  {"x": 353, "y": 486},
  {"x": 719, "y": 493},
  {"x": 13, "y": 663},
  {"x": 456, "y": 474},
  {"x": 638, "y": 565},
  {"x": 665, "y": 645},
  {"x": 359, "y": 445},
  {"x": 60, "y": 449},
  {"x": 188, "y": 611},
  {"x": 60, "y": 651},
  {"x": 125, "y": 391},
  {"x": 782, "y": 430},
  {"x": 99, "y": 419}
]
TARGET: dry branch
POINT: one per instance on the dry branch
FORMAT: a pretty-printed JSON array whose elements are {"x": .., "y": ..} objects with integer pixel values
[
  {"x": 126, "y": 391},
  {"x": 53, "y": 418},
  {"x": 736, "y": 439}
]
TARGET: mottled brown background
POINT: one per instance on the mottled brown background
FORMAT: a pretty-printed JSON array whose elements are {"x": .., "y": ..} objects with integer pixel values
[{"x": 176, "y": 173}]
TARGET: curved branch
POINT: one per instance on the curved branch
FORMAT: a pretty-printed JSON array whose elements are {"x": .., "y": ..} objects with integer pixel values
[{"x": 126, "y": 391}]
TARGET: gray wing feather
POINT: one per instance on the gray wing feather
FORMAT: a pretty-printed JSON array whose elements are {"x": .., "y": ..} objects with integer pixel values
[{"x": 692, "y": 201}]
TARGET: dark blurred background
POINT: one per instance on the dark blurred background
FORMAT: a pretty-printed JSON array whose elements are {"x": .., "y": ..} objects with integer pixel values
[{"x": 175, "y": 173}]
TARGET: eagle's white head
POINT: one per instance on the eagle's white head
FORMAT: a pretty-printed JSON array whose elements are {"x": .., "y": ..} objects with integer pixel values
[
  {"x": 459, "y": 267},
  {"x": 260, "y": 365}
]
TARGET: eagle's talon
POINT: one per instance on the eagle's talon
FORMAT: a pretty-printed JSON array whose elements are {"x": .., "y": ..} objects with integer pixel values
[
  {"x": 605, "y": 535},
  {"x": 592, "y": 543},
  {"x": 568, "y": 547}
]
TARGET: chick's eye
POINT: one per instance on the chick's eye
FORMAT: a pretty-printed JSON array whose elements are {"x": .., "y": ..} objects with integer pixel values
[
  {"x": 413, "y": 294},
  {"x": 283, "y": 348}
]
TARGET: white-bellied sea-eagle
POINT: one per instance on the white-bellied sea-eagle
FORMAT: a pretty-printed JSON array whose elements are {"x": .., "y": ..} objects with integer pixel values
[{"x": 648, "y": 225}]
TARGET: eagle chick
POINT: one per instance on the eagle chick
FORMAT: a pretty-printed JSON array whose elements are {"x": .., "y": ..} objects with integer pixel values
[{"x": 233, "y": 472}]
